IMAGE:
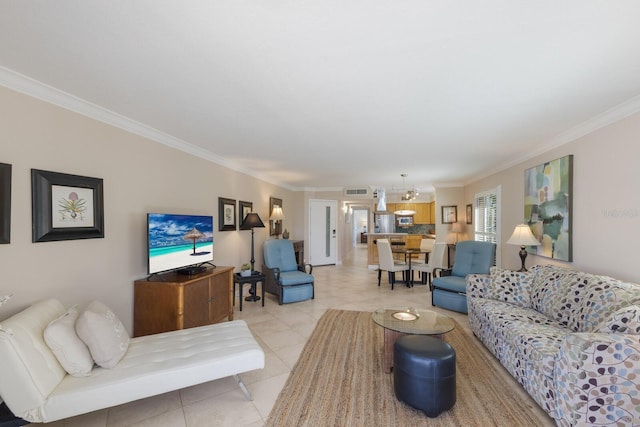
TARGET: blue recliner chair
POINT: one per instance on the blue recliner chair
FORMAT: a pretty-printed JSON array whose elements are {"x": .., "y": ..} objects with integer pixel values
[
  {"x": 449, "y": 290},
  {"x": 286, "y": 279}
]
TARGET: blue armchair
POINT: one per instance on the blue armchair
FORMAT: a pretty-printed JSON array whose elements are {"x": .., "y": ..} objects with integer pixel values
[
  {"x": 286, "y": 279},
  {"x": 449, "y": 289}
]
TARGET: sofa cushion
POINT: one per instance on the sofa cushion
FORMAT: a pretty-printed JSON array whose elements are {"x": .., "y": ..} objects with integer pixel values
[
  {"x": 558, "y": 293},
  {"x": 604, "y": 296},
  {"x": 61, "y": 337},
  {"x": 511, "y": 286},
  {"x": 279, "y": 253},
  {"x": 29, "y": 370},
  {"x": 626, "y": 320},
  {"x": 288, "y": 278},
  {"x": 103, "y": 333},
  {"x": 537, "y": 343},
  {"x": 451, "y": 283}
]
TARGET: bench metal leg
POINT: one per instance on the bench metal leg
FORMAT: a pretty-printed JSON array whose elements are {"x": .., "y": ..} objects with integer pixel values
[{"x": 243, "y": 387}]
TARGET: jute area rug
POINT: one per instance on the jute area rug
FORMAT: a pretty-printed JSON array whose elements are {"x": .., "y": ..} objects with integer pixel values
[{"x": 339, "y": 381}]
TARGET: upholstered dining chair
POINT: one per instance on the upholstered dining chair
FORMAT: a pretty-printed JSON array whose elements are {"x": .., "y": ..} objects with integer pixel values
[
  {"x": 426, "y": 246},
  {"x": 387, "y": 263},
  {"x": 449, "y": 290},
  {"x": 286, "y": 279},
  {"x": 436, "y": 260}
]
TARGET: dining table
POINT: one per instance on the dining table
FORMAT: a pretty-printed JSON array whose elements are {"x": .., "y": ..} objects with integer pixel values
[{"x": 408, "y": 257}]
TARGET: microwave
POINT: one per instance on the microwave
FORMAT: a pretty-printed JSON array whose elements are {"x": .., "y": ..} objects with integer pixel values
[{"x": 405, "y": 220}]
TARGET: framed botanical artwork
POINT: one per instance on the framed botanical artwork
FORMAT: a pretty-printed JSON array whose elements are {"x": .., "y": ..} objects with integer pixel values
[
  {"x": 449, "y": 214},
  {"x": 5, "y": 203},
  {"x": 227, "y": 214},
  {"x": 548, "y": 209},
  {"x": 275, "y": 212},
  {"x": 66, "y": 207},
  {"x": 469, "y": 214},
  {"x": 244, "y": 208}
]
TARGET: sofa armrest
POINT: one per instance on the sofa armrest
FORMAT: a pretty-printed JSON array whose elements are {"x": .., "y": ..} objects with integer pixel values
[
  {"x": 597, "y": 378},
  {"x": 272, "y": 279},
  {"x": 441, "y": 272},
  {"x": 478, "y": 285}
]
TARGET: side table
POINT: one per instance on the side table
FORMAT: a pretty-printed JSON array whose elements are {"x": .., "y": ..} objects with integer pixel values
[{"x": 240, "y": 280}]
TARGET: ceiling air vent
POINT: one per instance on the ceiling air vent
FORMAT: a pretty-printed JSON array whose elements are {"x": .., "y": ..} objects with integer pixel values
[{"x": 357, "y": 192}]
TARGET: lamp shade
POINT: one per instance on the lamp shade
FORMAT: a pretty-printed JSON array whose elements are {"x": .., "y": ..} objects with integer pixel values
[
  {"x": 277, "y": 214},
  {"x": 456, "y": 227},
  {"x": 250, "y": 221},
  {"x": 522, "y": 236}
]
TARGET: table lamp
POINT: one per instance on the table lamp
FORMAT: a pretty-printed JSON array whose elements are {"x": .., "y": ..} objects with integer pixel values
[
  {"x": 456, "y": 227},
  {"x": 251, "y": 221},
  {"x": 523, "y": 236}
]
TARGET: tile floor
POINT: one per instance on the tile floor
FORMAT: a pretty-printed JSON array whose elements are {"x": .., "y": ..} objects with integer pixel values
[{"x": 282, "y": 332}]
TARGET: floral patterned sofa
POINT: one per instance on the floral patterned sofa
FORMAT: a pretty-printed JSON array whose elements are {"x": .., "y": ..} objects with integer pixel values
[{"x": 572, "y": 340}]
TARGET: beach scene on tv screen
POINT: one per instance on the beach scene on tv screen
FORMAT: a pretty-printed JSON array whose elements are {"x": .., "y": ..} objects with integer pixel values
[{"x": 179, "y": 240}]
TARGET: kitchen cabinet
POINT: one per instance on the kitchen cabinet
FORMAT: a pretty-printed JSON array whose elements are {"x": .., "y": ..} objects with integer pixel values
[
  {"x": 413, "y": 241},
  {"x": 423, "y": 214}
]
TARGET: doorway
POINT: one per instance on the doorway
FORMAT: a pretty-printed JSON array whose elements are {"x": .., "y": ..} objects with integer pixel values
[
  {"x": 323, "y": 232},
  {"x": 359, "y": 224}
]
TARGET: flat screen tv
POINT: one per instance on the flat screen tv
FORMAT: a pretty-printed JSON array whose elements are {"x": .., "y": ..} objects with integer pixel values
[{"x": 179, "y": 242}]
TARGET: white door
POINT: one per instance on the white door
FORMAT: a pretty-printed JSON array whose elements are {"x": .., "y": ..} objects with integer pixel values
[{"x": 323, "y": 232}]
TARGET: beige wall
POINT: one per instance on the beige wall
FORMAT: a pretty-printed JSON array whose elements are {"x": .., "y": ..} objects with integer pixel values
[
  {"x": 142, "y": 176},
  {"x": 606, "y": 201},
  {"x": 139, "y": 176}
]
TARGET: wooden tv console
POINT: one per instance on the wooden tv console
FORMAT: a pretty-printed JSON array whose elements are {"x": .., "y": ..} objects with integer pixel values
[{"x": 170, "y": 301}]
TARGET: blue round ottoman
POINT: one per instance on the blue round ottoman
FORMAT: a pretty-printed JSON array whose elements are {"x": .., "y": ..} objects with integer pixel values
[{"x": 424, "y": 373}]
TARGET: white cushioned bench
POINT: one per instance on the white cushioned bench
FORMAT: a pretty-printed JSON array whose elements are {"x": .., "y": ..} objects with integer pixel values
[{"x": 36, "y": 387}]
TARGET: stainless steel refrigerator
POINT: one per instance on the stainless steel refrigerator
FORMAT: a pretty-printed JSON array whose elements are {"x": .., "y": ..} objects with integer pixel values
[{"x": 384, "y": 222}]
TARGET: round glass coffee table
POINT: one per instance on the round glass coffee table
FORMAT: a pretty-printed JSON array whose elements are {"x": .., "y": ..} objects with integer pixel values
[{"x": 404, "y": 321}]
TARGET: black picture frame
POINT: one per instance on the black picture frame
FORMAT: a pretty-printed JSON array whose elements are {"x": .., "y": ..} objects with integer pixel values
[
  {"x": 469, "y": 214},
  {"x": 275, "y": 227},
  {"x": 449, "y": 214},
  {"x": 227, "y": 214},
  {"x": 5, "y": 203},
  {"x": 80, "y": 216},
  {"x": 243, "y": 209}
]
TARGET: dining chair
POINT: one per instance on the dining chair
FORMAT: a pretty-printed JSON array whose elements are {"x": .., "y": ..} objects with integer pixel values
[
  {"x": 436, "y": 260},
  {"x": 387, "y": 263},
  {"x": 426, "y": 247}
]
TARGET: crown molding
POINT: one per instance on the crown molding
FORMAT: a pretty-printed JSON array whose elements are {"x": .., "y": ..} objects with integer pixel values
[
  {"x": 36, "y": 89},
  {"x": 608, "y": 117}
]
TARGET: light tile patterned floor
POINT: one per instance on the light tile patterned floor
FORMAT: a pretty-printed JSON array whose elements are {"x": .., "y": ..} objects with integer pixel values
[{"x": 282, "y": 331}]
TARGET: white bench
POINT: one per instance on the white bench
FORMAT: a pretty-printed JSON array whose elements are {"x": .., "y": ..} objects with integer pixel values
[{"x": 36, "y": 387}]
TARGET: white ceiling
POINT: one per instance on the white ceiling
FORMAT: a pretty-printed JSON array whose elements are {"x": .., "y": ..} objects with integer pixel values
[{"x": 326, "y": 94}]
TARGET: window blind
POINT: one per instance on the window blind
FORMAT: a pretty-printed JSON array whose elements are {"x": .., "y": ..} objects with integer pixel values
[{"x": 486, "y": 217}]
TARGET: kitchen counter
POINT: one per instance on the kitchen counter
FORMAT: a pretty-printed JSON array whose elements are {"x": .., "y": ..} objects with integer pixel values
[{"x": 372, "y": 248}]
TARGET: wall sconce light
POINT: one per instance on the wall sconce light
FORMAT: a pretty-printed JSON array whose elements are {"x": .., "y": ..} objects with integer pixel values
[{"x": 277, "y": 216}]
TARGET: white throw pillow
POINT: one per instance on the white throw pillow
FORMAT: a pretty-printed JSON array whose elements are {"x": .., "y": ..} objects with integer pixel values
[
  {"x": 103, "y": 333},
  {"x": 60, "y": 335}
]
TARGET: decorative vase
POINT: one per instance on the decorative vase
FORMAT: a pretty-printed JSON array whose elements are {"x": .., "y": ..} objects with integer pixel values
[
  {"x": 245, "y": 273},
  {"x": 285, "y": 234}
]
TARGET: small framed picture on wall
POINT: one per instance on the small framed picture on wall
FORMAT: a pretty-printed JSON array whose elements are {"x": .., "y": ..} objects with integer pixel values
[
  {"x": 227, "y": 214},
  {"x": 449, "y": 214}
]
